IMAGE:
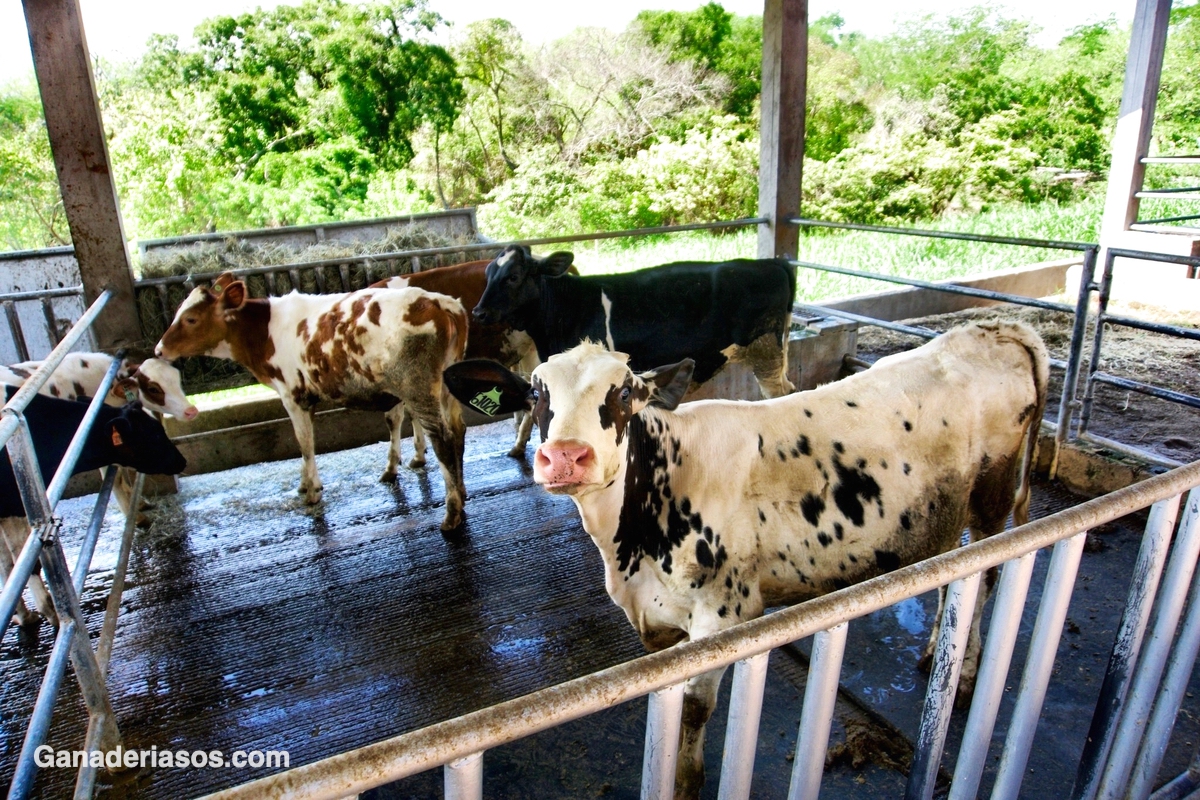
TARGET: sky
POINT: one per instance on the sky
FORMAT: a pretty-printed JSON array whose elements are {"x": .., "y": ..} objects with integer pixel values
[{"x": 118, "y": 29}]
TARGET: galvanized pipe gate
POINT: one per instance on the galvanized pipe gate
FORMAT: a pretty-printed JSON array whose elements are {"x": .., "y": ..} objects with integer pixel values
[
  {"x": 1134, "y": 715},
  {"x": 65, "y": 585}
]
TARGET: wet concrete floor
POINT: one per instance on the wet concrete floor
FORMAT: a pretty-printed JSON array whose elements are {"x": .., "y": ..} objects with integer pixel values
[{"x": 253, "y": 622}]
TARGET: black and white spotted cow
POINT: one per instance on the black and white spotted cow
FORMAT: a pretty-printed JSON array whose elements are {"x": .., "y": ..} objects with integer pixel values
[
  {"x": 708, "y": 513},
  {"x": 710, "y": 312}
]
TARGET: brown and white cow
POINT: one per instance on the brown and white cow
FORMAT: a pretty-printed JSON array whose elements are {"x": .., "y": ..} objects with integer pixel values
[
  {"x": 374, "y": 349},
  {"x": 514, "y": 349},
  {"x": 708, "y": 513},
  {"x": 153, "y": 382}
]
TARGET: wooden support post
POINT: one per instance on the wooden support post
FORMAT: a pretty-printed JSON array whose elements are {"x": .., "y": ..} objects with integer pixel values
[
  {"x": 1131, "y": 141},
  {"x": 781, "y": 154},
  {"x": 64, "y": 73}
]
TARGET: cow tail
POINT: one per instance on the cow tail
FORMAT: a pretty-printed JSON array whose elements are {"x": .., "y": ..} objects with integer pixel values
[
  {"x": 1040, "y": 364},
  {"x": 456, "y": 338}
]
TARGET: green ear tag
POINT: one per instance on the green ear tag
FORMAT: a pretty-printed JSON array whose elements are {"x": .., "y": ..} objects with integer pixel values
[{"x": 487, "y": 402}]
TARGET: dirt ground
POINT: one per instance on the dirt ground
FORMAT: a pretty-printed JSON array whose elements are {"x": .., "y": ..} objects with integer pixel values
[{"x": 1162, "y": 427}]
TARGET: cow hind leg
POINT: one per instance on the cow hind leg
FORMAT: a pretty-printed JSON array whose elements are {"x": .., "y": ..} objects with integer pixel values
[
  {"x": 21, "y": 613},
  {"x": 15, "y": 532},
  {"x": 768, "y": 359},
  {"x": 699, "y": 700},
  {"x": 443, "y": 424},
  {"x": 524, "y": 423}
]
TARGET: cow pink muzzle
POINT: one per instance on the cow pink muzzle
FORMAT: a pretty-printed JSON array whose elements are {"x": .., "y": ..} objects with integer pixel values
[{"x": 562, "y": 463}]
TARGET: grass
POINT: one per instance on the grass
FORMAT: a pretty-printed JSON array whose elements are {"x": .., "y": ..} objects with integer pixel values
[{"x": 913, "y": 257}]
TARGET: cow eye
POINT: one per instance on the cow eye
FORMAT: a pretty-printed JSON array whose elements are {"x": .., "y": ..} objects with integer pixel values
[
  {"x": 625, "y": 393},
  {"x": 514, "y": 279},
  {"x": 189, "y": 320},
  {"x": 533, "y": 395}
]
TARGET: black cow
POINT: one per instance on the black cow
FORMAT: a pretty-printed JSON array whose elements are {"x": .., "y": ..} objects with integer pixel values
[
  {"x": 711, "y": 312},
  {"x": 127, "y": 436}
]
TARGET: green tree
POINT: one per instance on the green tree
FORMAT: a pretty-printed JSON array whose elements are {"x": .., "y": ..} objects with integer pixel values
[{"x": 31, "y": 208}]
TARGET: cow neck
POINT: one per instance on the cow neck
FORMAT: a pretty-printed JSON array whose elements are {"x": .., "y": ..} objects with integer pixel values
[
  {"x": 249, "y": 338},
  {"x": 554, "y": 331}
]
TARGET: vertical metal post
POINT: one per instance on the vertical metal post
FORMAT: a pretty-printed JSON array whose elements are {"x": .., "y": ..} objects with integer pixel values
[
  {"x": 1056, "y": 598},
  {"x": 463, "y": 779},
  {"x": 1097, "y": 341},
  {"x": 344, "y": 272},
  {"x": 1170, "y": 697},
  {"x": 272, "y": 291},
  {"x": 663, "y": 719},
  {"x": 1067, "y": 403},
  {"x": 1126, "y": 646},
  {"x": 14, "y": 327},
  {"x": 51, "y": 321},
  {"x": 820, "y": 695},
  {"x": 741, "y": 731},
  {"x": 993, "y": 672},
  {"x": 943, "y": 683}
]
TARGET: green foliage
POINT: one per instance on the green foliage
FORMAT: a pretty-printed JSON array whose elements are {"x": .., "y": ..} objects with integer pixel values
[
  {"x": 31, "y": 210},
  {"x": 1177, "y": 123}
]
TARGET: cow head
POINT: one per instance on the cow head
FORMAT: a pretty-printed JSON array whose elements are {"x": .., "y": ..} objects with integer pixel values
[
  {"x": 139, "y": 441},
  {"x": 200, "y": 324},
  {"x": 514, "y": 288},
  {"x": 158, "y": 386},
  {"x": 583, "y": 401}
]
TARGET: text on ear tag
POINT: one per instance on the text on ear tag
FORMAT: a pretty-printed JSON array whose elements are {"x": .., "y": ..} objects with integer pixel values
[{"x": 487, "y": 402}]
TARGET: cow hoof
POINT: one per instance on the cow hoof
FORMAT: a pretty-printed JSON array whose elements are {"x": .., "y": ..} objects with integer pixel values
[
  {"x": 417, "y": 463},
  {"x": 313, "y": 496},
  {"x": 453, "y": 521},
  {"x": 143, "y": 521},
  {"x": 925, "y": 663},
  {"x": 388, "y": 476},
  {"x": 517, "y": 452}
]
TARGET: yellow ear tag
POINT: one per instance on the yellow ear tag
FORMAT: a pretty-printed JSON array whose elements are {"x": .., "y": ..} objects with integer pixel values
[{"x": 487, "y": 402}]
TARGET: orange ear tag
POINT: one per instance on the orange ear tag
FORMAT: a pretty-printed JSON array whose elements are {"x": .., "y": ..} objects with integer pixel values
[{"x": 116, "y": 438}]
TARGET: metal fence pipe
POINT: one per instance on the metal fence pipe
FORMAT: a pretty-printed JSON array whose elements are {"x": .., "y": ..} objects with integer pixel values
[
  {"x": 108, "y": 630},
  {"x": 1184, "y": 784},
  {"x": 1097, "y": 342},
  {"x": 949, "y": 288},
  {"x": 39, "y": 377},
  {"x": 1154, "y": 327},
  {"x": 1153, "y": 736},
  {"x": 87, "y": 672},
  {"x": 1127, "y": 645},
  {"x": 661, "y": 753},
  {"x": 23, "y": 567},
  {"x": 458, "y": 248},
  {"x": 85, "y": 779},
  {"x": 15, "y": 330},
  {"x": 1130, "y": 450},
  {"x": 1145, "y": 255},
  {"x": 993, "y": 672},
  {"x": 50, "y": 320},
  {"x": 43, "y": 711},
  {"x": 463, "y": 779},
  {"x": 741, "y": 730},
  {"x": 1147, "y": 389},
  {"x": 83, "y": 561},
  {"x": 66, "y": 467},
  {"x": 953, "y": 634},
  {"x": 398, "y": 757},
  {"x": 820, "y": 697},
  {"x": 40, "y": 294},
  {"x": 1067, "y": 402},
  {"x": 1050, "y": 244},
  {"x": 1170, "y": 693},
  {"x": 1056, "y": 597},
  {"x": 924, "y": 333}
]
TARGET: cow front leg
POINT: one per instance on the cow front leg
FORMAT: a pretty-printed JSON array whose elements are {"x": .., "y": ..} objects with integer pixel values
[
  {"x": 302, "y": 424},
  {"x": 21, "y": 613},
  {"x": 699, "y": 700},
  {"x": 524, "y": 423},
  {"x": 16, "y": 531}
]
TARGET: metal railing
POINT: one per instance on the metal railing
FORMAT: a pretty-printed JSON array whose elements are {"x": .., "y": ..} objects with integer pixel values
[
  {"x": 1155, "y": 687},
  {"x": 46, "y": 298},
  {"x": 44, "y": 546},
  {"x": 1069, "y": 403}
]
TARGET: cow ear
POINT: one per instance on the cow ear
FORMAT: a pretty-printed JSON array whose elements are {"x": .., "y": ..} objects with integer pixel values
[
  {"x": 126, "y": 389},
  {"x": 120, "y": 431},
  {"x": 556, "y": 264},
  {"x": 223, "y": 280},
  {"x": 487, "y": 387},
  {"x": 669, "y": 384},
  {"x": 234, "y": 296}
]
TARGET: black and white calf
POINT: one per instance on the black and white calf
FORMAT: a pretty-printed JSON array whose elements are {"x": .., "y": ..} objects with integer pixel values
[
  {"x": 708, "y": 513},
  {"x": 126, "y": 436},
  {"x": 711, "y": 312}
]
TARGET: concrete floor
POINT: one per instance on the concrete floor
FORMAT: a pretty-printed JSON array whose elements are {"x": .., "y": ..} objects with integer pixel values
[{"x": 253, "y": 622}]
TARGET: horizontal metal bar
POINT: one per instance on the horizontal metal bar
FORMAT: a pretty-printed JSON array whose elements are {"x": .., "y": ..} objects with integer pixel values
[
  {"x": 457, "y": 248},
  {"x": 1143, "y": 255},
  {"x": 1145, "y": 388},
  {"x": 1153, "y": 327},
  {"x": 1052, "y": 244},
  {"x": 949, "y": 288},
  {"x": 1171, "y": 160},
  {"x": 1129, "y": 450},
  {"x": 391, "y": 759},
  {"x": 1161, "y": 220},
  {"x": 38, "y": 294},
  {"x": 1153, "y": 193},
  {"x": 66, "y": 467},
  {"x": 25, "y": 394}
]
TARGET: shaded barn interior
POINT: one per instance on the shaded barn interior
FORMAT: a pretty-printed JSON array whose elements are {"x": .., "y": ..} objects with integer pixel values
[{"x": 253, "y": 622}]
